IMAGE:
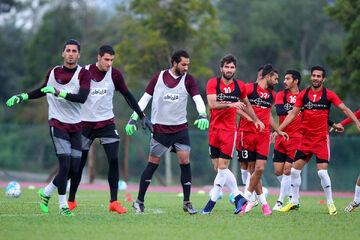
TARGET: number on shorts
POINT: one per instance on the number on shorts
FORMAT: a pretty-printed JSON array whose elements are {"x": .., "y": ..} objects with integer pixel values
[{"x": 244, "y": 154}]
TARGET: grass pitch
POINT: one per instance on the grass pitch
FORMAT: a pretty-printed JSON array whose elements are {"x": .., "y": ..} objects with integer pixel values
[{"x": 164, "y": 219}]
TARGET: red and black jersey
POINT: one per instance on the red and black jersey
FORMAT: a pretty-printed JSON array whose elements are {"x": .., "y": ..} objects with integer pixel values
[
  {"x": 316, "y": 110},
  {"x": 261, "y": 101},
  {"x": 225, "y": 118},
  {"x": 284, "y": 103}
]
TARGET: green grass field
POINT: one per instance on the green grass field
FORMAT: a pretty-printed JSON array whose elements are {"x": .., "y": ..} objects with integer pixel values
[{"x": 164, "y": 219}]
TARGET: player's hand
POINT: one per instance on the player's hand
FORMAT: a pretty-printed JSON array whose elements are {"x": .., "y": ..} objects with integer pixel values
[
  {"x": 259, "y": 125},
  {"x": 131, "y": 126},
  {"x": 273, "y": 137},
  {"x": 55, "y": 91},
  {"x": 17, "y": 99},
  {"x": 338, "y": 127},
  {"x": 238, "y": 105},
  {"x": 202, "y": 122},
  {"x": 284, "y": 135},
  {"x": 145, "y": 123}
]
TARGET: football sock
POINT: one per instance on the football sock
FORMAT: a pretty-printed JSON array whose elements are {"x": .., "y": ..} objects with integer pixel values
[
  {"x": 219, "y": 183},
  {"x": 326, "y": 185},
  {"x": 185, "y": 179},
  {"x": 49, "y": 189},
  {"x": 279, "y": 178},
  {"x": 262, "y": 199},
  {"x": 61, "y": 178},
  {"x": 244, "y": 175},
  {"x": 111, "y": 151},
  {"x": 357, "y": 194},
  {"x": 145, "y": 180},
  {"x": 284, "y": 187},
  {"x": 247, "y": 195},
  {"x": 295, "y": 185},
  {"x": 76, "y": 178},
  {"x": 231, "y": 183},
  {"x": 62, "y": 201}
]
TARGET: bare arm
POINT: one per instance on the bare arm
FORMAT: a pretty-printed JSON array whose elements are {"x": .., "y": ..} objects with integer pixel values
[
  {"x": 290, "y": 117},
  {"x": 243, "y": 114},
  {"x": 350, "y": 115},
  {"x": 213, "y": 104},
  {"x": 250, "y": 111}
]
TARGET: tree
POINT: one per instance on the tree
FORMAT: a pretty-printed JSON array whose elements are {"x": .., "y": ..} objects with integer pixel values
[
  {"x": 153, "y": 29},
  {"x": 345, "y": 78}
]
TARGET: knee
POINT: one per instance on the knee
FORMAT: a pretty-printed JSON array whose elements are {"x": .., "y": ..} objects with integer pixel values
[
  {"x": 259, "y": 169},
  {"x": 278, "y": 172},
  {"x": 154, "y": 160}
]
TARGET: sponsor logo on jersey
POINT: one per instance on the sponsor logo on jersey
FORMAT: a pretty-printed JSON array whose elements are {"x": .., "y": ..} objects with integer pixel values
[
  {"x": 98, "y": 91},
  {"x": 171, "y": 97}
]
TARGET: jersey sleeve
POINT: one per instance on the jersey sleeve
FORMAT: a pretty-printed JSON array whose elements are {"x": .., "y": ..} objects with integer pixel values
[
  {"x": 249, "y": 88},
  {"x": 243, "y": 89},
  {"x": 280, "y": 98},
  {"x": 191, "y": 85},
  {"x": 211, "y": 86},
  {"x": 299, "y": 100},
  {"x": 85, "y": 78},
  {"x": 150, "y": 88},
  {"x": 332, "y": 97},
  {"x": 119, "y": 81}
]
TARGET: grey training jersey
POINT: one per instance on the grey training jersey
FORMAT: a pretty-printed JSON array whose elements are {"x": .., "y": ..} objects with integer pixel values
[
  {"x": 99, "y": 104},
  {"x": 60, "y": 109},
  {"x": 169, "y": 104}
]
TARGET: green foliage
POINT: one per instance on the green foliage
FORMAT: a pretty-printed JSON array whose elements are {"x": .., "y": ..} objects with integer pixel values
[
  {"x": 347, "y": 74},
  {"x": 152, "y": 30},
  {"x": 164, "y": 219},
  {"x": 287, "y": 33}
]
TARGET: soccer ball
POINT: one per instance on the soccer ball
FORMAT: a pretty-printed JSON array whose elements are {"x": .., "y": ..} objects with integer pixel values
[
  {"x": 13, "y": 190},
  {"x": 220, "y": 196},
  {"x": 122, "y": 186},
  {"x": 232, "y": 197}
]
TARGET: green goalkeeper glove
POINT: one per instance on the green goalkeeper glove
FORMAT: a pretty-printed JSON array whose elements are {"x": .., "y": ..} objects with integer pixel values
[
  {"x": 55, "y": 91},
  {"x": 131, "y": 126},
  {"x": 202, "y": 122},
  {"x": 17, "y": 99}
]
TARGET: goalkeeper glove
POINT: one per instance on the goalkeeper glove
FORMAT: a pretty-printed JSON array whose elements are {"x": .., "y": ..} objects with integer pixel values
[
  {"x": 17, "y": 99},
  {"x": 55, "y": 91},
  {"x": 145, "y": 123},
  {"x": 202, "y": 122},
  {"x": 131, "y": 126}
]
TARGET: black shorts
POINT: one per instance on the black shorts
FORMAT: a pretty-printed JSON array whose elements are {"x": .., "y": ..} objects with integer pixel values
[
  {"x": 160, "y": 142},
  {"x": 281, "y": 157},
  {"x": 107, "y": 134},
  {"x": 66, "y": 143}
]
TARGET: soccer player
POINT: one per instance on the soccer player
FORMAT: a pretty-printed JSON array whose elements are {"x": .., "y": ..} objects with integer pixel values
[
  {"x": 66, "y": 88},
  {"x": 254, "y": 144},
  {"x": 316, "y": 101},
  {"x": 98, "y": 121},
  {"x": 224, "y": 94},
  {"x": 242, "y": 161},
  {"x": 356, "y": 203},
  {"x": 170, "y": 89},
  {"x": 284, "y": 151}
]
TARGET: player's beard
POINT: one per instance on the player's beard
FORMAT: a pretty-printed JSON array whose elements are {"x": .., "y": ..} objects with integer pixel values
[
  {"x": 178, "y": 72},
  {"x": 317, "y": 85},
  {"x": 226, "y": 77}
]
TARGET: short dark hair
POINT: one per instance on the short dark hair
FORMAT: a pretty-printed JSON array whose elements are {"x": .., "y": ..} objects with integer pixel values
[
  {"x": 72, "y": 42},
  {"x": 106, "y": 49},
  {"x": 295, "y": 75},
  {"x": 260, "y": 68},
  {"x": 320, "y": 68},
  {"x": 176, "y": 56},
  {"x": 228, "y": 58},
  {"x": 268, "y": 69}
]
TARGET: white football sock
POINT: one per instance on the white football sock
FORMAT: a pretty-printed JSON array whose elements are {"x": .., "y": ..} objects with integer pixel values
[
  {"x": 231, "y": 183},
  {"x": 326, "y": 185},
  {"x": 49, "y": 189},
  {"x": 284, "y": 187},
  {"x": 62, "y": 201},
  {"x": 262, "y": 198},
  {"x": 357, "y": 194},
  {"x": 247, "y": 195},
  {"x": 244, "y": 175},
  {"x": 279, "y": 178},
  {"x": 295, "y": 185},
  {"x": 219, "y": 183}
]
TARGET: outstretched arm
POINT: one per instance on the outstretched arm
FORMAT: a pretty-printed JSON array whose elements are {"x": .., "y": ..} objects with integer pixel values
[{"x": 350, "y": 115}]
